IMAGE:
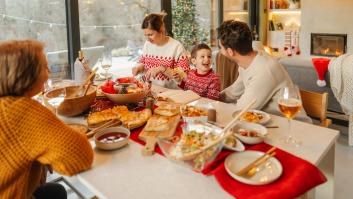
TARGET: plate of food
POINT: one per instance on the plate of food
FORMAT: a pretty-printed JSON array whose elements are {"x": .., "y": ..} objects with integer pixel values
[
  {"x": 250, "y": 133},
  {"x": 129, "y": 119},
  {"x": 265, "y": 173},
  {"x": 195, "y": 138},
  {"x": 193, "y": 113},
  {"x": 232, "y": 143},
  {"x": 254, "y": 116}
]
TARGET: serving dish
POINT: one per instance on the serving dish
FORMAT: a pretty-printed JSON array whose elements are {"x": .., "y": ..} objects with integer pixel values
[
  {"x": 266, "y": 173},
  {"x": 195, "y": 136},
  {"x": 250, "y": 133},
  {"x": 112, "y": 138},
  {"x": 254, "y": 116}
]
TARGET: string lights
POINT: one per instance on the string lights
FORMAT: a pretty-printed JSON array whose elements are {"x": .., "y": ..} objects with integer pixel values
[{"x": 51, "y": 24}]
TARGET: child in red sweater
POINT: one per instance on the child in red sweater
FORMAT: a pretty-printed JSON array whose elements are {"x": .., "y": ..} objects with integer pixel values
[{"x": 202, "y": 80}]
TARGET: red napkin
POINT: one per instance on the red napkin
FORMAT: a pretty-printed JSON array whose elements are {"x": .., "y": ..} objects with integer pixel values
[{"x": 298, "y": 177}]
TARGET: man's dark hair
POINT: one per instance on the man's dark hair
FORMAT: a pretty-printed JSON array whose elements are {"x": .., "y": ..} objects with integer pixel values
[
  {"x": 235, "y": 35},
  {"x": 197, "y": 48}
]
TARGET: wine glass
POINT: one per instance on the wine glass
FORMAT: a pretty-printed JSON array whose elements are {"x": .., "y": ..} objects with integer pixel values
[
  {"x": 59, "y": 94},
  {"x": 290, "y": 104},
  {"x": 106, "y": 63}
]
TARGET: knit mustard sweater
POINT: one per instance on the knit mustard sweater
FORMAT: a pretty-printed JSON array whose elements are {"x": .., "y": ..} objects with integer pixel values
[{"x": 32, "y": 136}]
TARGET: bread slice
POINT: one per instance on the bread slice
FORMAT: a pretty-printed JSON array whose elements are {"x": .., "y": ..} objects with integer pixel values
[
  {"x": 158, "y": 123},
  {"x": 167, "y": 109}
]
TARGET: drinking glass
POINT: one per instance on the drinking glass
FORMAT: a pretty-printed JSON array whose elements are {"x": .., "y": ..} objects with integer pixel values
[
  {"x": 290, "y": 104},
  {"x": 58, "y": 98},
  {"x": 106, "y": 63}
]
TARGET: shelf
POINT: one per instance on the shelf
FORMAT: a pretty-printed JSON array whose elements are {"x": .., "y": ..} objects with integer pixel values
[{"x": 285, "y": 11}]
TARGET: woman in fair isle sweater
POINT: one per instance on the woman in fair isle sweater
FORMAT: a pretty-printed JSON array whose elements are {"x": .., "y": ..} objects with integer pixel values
[
  {"x": 202, "y": 80},
  {"x": 30, "y": 135},
  {"x": 161, "y": 53}
]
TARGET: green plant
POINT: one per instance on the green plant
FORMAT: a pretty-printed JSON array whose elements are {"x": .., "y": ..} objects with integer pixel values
[{"x": 186, "y": 29}]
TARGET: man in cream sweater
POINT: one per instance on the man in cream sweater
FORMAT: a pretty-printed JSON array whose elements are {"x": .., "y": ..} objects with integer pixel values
[{"x": 260, "y": 76}]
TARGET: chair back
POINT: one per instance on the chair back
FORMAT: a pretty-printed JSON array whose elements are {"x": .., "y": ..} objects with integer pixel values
[
  {"x": 227, "y": 70},
  {"x": 315, "y": 105}
]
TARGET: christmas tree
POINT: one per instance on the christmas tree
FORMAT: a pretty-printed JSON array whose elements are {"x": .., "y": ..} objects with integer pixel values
[{"x": 185, "y": 27}]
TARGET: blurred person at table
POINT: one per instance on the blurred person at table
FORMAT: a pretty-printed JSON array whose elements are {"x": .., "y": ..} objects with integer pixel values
[
  {"x": 31, "y": 136},
  {"x": 202, "y": 80},
  {"x": 161, "y": 53},
  {"x": 260, "y": 76}
]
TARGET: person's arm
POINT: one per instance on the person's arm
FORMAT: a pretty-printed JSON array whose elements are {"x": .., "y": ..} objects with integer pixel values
[
  {"x": 139, "y": 68},
  {"x": 182, "y": 59},
  {"x": 261, "y": 87},
  {"x": 53, "y": 143},
  {"x": 232, "y": 93},
  {"x": 214, "y": 89}
]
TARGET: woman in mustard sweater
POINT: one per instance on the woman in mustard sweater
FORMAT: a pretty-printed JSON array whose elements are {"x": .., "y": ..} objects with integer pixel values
[{"x": 30, "y": 135}]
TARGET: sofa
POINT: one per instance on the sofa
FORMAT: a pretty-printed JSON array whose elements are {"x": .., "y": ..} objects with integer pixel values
[{"x": 303, "y": 74}]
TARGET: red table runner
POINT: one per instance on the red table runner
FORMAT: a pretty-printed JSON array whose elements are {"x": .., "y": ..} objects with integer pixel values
[{"x": 298, "y": 177}]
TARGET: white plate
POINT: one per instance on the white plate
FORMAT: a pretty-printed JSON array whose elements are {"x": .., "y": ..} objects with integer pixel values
[
  {"x": 269, "y": 171},
  {"x": 238, "y": 147},
  {"x": 266, "y": 117}
]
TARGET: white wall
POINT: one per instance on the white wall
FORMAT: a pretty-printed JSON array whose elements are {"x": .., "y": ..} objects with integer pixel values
[{"x": 326, "y": 16}]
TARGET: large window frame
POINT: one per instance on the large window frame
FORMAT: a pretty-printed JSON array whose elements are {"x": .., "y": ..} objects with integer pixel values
[
  {"x": 73, "y": 25},
  {"x": 73, "y": 28}
]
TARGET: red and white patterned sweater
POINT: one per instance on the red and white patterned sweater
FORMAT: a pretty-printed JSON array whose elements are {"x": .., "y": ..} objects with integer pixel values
[
  {"x": 207, "y": 85},
  {"x": 171, "y": 55}
]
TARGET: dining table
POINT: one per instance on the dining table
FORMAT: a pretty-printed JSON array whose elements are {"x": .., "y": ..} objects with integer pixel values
[{"x": 126, "y": 173}]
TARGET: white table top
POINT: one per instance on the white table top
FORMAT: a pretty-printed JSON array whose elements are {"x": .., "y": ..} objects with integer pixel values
[{"x": 125, "y": 173}]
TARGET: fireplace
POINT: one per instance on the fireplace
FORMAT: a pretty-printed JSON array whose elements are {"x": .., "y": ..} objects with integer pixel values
[{"x": 329, "y": 45}]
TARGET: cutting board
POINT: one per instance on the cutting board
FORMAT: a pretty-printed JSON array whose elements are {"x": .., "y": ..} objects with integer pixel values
[
  {"x": 150, "y": 137},
  {"x": 180, "y": 96}
]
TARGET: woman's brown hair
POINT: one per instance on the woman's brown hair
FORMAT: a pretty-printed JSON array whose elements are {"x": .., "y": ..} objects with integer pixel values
[
  {"x": 21, "y": 62},
  {"x": 154, "y": 21}
]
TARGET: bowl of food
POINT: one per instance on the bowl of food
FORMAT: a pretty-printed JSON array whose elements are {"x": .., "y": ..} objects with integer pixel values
[
  {"x": 74, "y": 103},
  {"x": 193, "y": 113},
  {"x": 123, "y": 93},
  {"x": 196, "y": 147},
  {"x": 112, "y": 138},
  {"x": 250, "y": 133},
  {"x": 254, "y": 116}
]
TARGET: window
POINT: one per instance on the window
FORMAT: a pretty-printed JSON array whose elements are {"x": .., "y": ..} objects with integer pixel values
[
  {"x": 43, "y": 20},
  {"x": 114, "y": 26}
]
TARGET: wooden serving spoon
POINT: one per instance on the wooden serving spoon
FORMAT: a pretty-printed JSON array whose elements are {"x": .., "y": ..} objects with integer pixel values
[{"x": 80, "y": 92}]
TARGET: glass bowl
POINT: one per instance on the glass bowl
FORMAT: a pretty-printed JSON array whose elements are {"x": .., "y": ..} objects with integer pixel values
[{"x": 192, "y": 149}]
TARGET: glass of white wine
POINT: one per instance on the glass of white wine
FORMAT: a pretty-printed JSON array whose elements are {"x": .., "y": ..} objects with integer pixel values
[
  {"x": 106, "y": 63},
  {"x": 290, "y": 104}
]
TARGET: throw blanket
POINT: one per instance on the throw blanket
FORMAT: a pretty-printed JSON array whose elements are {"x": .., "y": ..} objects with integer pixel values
[{"x": 341, "y": 79}]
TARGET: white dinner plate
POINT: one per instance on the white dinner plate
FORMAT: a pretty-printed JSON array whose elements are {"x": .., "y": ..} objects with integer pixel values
[
  {"x": 238, "y": 146},
  {"x": 266, "y": 117},
  {"x": 268, "y": 171}
]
